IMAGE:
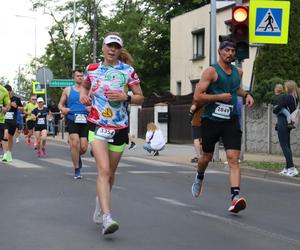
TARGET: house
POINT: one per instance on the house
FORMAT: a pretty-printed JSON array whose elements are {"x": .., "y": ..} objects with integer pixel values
[{"x": 190, "y": 47}]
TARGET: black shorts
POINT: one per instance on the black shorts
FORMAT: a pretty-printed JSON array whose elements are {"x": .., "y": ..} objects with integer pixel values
[
  {"x": 196, "y": 132},
  {"x": 120, "y": 137},
  {"x": 30, "y": 124},
  {"x": 11, "y": 126},
  {"x": 81, "y": 129},
  {"x": 40, "y": 127},
  {"x": 2, "y": 126},
  {"x": 229, "y": 131}
]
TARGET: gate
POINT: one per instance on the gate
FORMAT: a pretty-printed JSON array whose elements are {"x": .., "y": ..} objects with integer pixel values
[
  {"x": 145, "y": 115},
  {"x": 179, "y": 124}
]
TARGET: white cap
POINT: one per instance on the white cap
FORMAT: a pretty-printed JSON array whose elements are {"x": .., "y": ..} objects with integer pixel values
[
  {"x": 113, "y": 39},
  {"x": 40, "y": 99}
]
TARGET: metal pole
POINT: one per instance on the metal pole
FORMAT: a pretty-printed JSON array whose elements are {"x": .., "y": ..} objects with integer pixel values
[
  {"x": 213, "y": 54},
  {"x": 95, "y": 37},
  {"x": 45, "y": 83},
  {"x": 35, "y": 44},
  {"x": 74, "y": 29}
]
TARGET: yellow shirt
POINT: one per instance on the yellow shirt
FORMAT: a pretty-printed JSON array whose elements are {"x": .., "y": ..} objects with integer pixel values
[
  {"x": 28, "y": 108},
  {"x": 4, "y": 100}
]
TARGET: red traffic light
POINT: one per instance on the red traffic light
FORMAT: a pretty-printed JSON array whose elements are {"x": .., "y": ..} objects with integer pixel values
[{"x": 240, "y": 14}]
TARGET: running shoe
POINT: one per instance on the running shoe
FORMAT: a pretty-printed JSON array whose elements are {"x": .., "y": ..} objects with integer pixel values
[
  {"x": 38, "y": 153},
  {"x": 17, "y": 140},
  {"x": 197, "y": 187},
  {"x": 237, "y": 204},
  {"x": 97, "y": 217},
  {"x": 109, "y": 226},
  {"x": 194, "y": 160},
  {"x": 77, "y": 175},
  {"x": 292, "y": 172},
  {"x": 4, "y": 157},
  {"x": 35, "y": 146},
  {"x": 8, "y": 157},
  {"x": 44, "y": 151},
  {"x": 28, "y": 142},
  {"x": 283, "y": 171},
  {"x": 132, "y": 146}
]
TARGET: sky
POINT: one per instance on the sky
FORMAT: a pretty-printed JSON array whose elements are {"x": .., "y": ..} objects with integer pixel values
[{"x": 17, "y": 43}]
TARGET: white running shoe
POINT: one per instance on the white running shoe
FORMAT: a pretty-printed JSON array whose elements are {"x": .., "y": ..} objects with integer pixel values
[
  {"x": 292, "y": 172},
  {"x": 109, "y": 226},
  {"x": 17, "y": 140},
  {"x": 283, "y": 171},
  {"x": 97, "y": 217}
]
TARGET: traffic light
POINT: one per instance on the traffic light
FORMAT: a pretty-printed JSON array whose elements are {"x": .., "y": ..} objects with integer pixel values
[{"x": 240, "y": 31}]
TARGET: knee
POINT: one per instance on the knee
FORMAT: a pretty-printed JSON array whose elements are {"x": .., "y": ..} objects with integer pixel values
[
  {"x": 206, "y": 158},
  {"x": 233, "y": 161},
  {"x": 83, "y": 149}
]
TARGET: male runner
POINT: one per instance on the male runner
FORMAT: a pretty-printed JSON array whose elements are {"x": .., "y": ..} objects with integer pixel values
[
  {"x": 10, "y": 124},
  {"x": 4, "y": 106},
  {"x": 76, "y": 114},
  {"x": 218, "y": 89}
]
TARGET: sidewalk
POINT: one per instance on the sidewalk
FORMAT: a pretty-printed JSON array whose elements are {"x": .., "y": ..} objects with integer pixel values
[{"x": 182, "y": 154}]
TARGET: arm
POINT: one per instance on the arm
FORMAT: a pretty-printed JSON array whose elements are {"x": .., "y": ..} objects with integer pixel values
[
  {"x": 6, "y": 103},
  {"x": 62, "y": 101},
  {"x": 85, "y": 93},
  {"x": 201, "y": 98}
]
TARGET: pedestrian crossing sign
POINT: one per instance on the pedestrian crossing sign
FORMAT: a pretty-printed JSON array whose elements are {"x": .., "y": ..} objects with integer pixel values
[{"x": 269, "y": 22}]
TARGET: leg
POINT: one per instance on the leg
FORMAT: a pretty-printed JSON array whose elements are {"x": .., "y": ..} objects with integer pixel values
[
  {"x": 83, "y": 145},
  {"x": 234, "y": 167},
  {"x": 43, "y": 140},
  {"x": 38, "y": 144},
  {"x": 74, "y": 143}
]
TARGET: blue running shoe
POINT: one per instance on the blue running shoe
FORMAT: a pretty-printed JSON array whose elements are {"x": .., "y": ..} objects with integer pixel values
[{"x": 197, "y": 187}]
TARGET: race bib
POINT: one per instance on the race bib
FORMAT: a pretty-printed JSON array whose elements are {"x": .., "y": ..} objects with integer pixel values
[
  {"x": 105, "y": 134},
  {"x": 9, "y": 115},
  {"x": 222, "y": 110},
  {"x": 80, "y": 118},
  {"x": 41, "y": 121}
]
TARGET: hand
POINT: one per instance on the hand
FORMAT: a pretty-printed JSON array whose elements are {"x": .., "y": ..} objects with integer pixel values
[
  {"x": 14, "y": 104},
  {"x": 86, "y": 100},
  {"x": 4, "y": 109},
  {"x": 65, "y": 111},
  {"x": 115, "y": 96},
  {"x": 249, "y": 101},
  {"x": 225, "y": 97}
]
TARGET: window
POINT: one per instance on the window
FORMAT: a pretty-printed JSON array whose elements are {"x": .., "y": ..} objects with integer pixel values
[
  {"x": 198, "y": 44},
  {"x": 194, "y": 83}
]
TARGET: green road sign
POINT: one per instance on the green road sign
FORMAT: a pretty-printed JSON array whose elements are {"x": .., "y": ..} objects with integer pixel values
[{"x": 61, "y": 83}]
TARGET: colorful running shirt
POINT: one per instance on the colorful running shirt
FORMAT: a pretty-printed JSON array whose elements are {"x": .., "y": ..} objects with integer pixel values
[
  {"x": 28, "y": 108},
  {"x": 104, "y": 78},
  {"x": 4, "y": 100},
  {"x": 41, "y": 116}
]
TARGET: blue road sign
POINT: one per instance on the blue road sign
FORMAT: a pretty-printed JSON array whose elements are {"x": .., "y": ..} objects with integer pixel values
[{"x": 268, "y": 22}]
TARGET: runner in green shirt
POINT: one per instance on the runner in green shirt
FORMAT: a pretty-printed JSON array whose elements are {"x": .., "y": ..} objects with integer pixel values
[{"x": 30, "y": 120}]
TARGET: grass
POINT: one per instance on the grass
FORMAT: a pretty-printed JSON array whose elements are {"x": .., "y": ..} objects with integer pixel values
[{"x": 272, "y": 166}]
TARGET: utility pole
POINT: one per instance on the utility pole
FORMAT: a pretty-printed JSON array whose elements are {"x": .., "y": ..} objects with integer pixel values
[
  {"x": 95, "y": 33},
  {"x": 74, "y": 35},
  {"x": 213, "y": 54}
]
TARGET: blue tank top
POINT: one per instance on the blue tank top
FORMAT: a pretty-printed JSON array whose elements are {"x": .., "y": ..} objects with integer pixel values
[{"x": 74, "y": 104}]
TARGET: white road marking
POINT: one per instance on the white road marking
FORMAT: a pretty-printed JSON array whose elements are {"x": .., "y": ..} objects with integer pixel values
[
  {"x": 151, "y": 162},
  {"x": 61, "y": 162},
  {"x": 172, "y": 202},
  {"x": 247, "y": 227},
  {"x": 23, "y": 164},
  {"x": 148, "y": 172},
  {"x": 121, "y": 164}
]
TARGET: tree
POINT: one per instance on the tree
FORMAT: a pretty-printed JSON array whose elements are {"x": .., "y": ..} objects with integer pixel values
[{"x": 279, "y": 60}]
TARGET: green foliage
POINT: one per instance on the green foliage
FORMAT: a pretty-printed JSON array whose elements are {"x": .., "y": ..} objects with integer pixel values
[
  {"x": 264, "y": 90},
  {"x": 281, "y": 61},
  {"x": 144, "y": 25}
]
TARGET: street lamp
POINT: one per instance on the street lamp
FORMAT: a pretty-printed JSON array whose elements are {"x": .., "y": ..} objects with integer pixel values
[{"x": 33, "y": 18}]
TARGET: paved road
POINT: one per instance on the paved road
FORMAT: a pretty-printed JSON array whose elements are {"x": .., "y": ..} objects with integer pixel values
[{"x": 42, "y": 207}]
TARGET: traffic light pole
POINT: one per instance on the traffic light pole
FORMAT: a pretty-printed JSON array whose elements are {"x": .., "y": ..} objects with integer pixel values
[{"x": 213, "y": 54}]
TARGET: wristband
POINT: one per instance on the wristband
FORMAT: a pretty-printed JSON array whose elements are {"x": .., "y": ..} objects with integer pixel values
[{"x": 128, "y": 98}]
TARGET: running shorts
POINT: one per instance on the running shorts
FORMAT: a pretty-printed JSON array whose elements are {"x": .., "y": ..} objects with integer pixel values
[{"x": 229, "y": 131}]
